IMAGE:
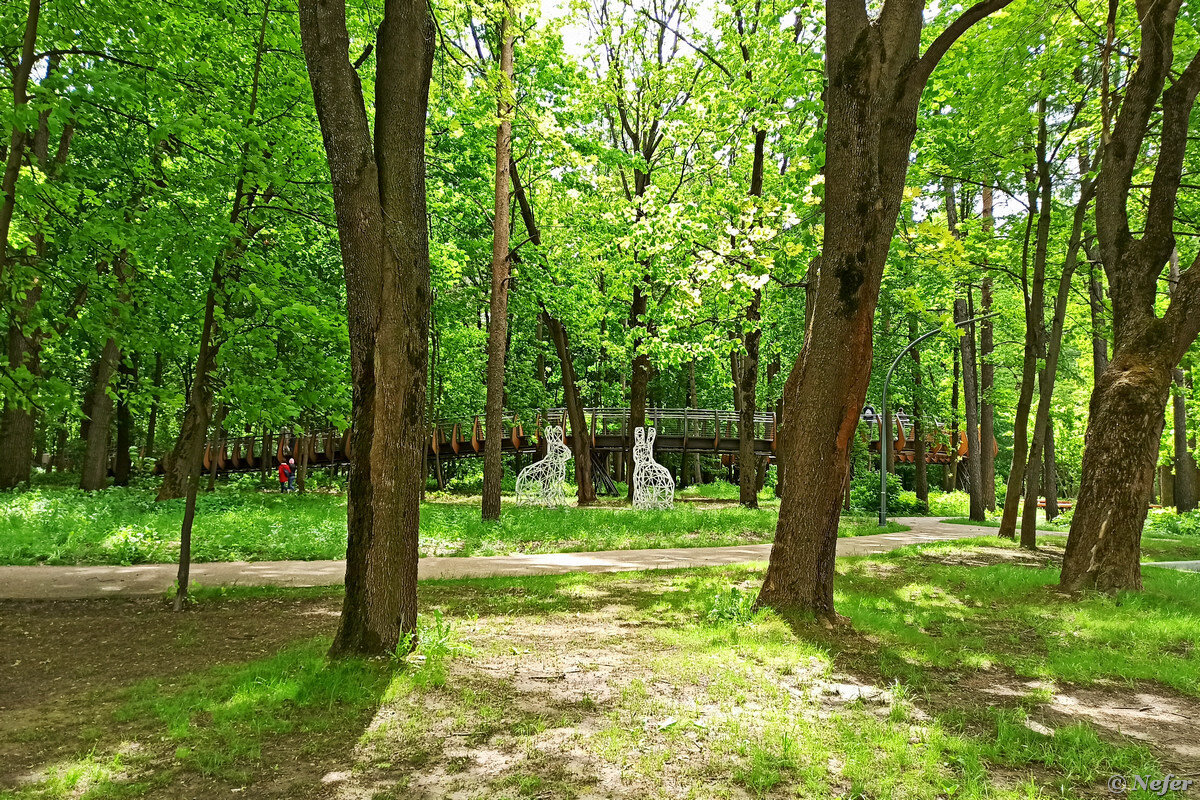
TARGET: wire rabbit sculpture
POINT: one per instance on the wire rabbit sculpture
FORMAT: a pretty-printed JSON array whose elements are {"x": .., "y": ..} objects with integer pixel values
[
  {"x": 653, "y": 486},
  {"x": 542, "y": 481}
]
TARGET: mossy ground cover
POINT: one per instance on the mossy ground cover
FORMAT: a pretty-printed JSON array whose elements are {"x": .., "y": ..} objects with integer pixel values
[
  {"x": 951, "y": 681},
  {"x": 54, "y": 525}
]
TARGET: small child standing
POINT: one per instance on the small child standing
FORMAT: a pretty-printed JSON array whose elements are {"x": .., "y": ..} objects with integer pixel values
[{"x": 285, "y": 477}]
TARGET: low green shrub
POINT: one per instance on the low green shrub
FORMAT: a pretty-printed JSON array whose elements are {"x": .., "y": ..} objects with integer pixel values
[
  {"x": 864, "y": 495},
  {"x": 735, "y": 606}
]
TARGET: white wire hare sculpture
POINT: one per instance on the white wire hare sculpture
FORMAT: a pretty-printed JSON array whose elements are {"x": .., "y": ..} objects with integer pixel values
[
  {"x": 542, "y": 481},
  {"x": 653, "y": 486}
]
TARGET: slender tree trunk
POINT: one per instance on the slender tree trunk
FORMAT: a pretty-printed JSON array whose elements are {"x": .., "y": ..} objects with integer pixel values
[
  {"x": 493, "y": 465},
  {"x": 156, "y": 396},
  {"x": 219, "y": 446},
  {"x": 1185, "y": 465},
  {"x": 987, "y": 376},
  {"x": 1050, "y": 474},
  {"x": 581, "y": 443},
  {"x": 921, "y": 477},
  {"x": 379, "y": 198},
  {"x": 693, "y": 403},
  {"x": 1040, "y": 204},
  {"x": 122, "y": 464},
  {"x": 639, "y": 385},
  {"x": 188, "y": 454},
  {"x": 1051, "y": 348},
  {"x": 970, "y": 402},
  {"x": 950, "y": 481},
  {"x": 747, "y": 389},
  {"x": 1185, "y": 462},
  {"x": 60, "y": 448}
]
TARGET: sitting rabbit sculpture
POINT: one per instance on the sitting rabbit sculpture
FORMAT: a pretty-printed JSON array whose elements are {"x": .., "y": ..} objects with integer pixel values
[
  {"x": 653, "y": 486},
  {"x": 542, "y": 481}
]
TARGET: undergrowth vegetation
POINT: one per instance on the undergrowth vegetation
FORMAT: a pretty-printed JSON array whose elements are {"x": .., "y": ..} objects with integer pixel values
[{"x": 126, "y": 526}]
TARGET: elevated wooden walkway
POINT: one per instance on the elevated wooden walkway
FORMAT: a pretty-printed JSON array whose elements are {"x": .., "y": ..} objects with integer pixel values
[{"x": 679, "y": 431}]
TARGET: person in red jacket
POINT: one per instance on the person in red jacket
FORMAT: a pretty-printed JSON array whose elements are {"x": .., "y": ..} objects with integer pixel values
[{"x": 285, "y": 476}]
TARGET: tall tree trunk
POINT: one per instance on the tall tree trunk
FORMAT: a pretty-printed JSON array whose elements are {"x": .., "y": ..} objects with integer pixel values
[
  {"x": 156, "y": 397},
  {"x": 1040, "y": 204},
  {"x": 1185, "y": 465},
  {"x": 747, "y": 390},
  {"x": 875, "y": 78},
  {"x": 970, "y": 402},
  {"x": 93, "y": 473},
  {"x": 16, "y": 419},
  {"x": 1051, "y": 348},
  {"x": 987, "y": 375},
  {"x": 218, "y": 426},
  {"x": 493, "y": 465},
  {"x": 950, "y": 479},
  {"x": 581, "y": 442},
  {"x": 379, "y": 199},
  {"x": 921, "y": 477},
  {"x": 693, "y": 403},
  {"x": 639, "y": 385},
  {"x": 1127, "y": 406},
  {"x": 188, "y": 455},
  {"x": 747, "y": 387},
  {"x": 1185, "y": 462},
  {"x": 1096, "y": 306},
  {"x": 1050, "y": 474},
  {"x": 122, "y": 464}
]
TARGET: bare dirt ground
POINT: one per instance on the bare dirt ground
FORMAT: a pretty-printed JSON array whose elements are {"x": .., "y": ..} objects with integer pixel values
[{"x": 589, "y": 703}]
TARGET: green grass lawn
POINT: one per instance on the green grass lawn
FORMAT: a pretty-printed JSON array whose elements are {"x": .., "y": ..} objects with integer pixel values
[
  {"x": 126, "y": 526},
  {"x": 952, "y": 681}
]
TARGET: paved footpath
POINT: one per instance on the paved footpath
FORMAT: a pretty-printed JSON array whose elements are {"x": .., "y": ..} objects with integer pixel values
[{"x": 61, "y": 583}]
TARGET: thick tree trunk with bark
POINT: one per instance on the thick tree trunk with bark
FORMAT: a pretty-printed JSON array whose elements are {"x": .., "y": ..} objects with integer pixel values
[
  {"x": 1125, "y": 421},
  {"x": 379, "y": 199},
  {"x": 875, "y": 78},
  {"x": 16, "y": 419},
  {"x": 497, "y": 348},
  {"x": 93, "y": 473},
  {"x": 1127, "y": 406},
  {"x": 1096, "y": 306}
]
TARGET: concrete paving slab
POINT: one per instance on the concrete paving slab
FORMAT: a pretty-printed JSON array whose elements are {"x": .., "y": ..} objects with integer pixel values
[{"x": 47, "y": 582}]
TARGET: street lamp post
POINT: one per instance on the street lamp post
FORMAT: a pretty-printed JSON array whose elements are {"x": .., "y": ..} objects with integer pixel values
[{"x": 885, "y": 425}]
